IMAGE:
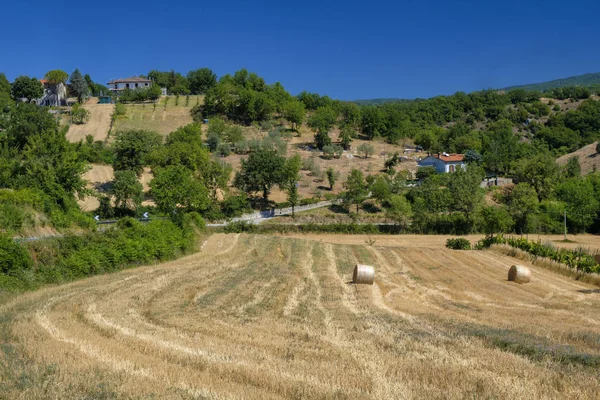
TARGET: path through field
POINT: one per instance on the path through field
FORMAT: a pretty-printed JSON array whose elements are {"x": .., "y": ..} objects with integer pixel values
[
  {"x": 261, "y": 317},
  {"x": 97, "y": 126}
]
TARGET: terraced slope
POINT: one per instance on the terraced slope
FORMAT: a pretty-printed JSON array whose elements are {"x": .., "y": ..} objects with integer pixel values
[{"x": 258, "y": 317}]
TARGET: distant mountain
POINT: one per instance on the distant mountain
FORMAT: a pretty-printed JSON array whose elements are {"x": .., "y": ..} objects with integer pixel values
[{"x": 579, "y": 80}]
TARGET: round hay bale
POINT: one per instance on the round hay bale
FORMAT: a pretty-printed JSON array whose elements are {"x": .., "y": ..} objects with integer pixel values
[
  {"x": 519, "y": 274},
  {"x": 363, "y": 274}
]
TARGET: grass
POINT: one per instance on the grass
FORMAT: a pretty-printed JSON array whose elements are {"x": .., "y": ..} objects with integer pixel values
[
  {"x": 255, "y": 316},
  {"x": 160, "y": 119}
]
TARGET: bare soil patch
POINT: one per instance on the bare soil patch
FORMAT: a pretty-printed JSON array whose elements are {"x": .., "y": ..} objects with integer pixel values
[{"x": 98, "y": 125}]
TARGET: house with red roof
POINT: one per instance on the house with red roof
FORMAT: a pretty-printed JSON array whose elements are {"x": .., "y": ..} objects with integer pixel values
[{"x": 444, "y": 162}]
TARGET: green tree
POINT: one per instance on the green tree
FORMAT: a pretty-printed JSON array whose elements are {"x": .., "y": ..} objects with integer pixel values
[
  {"x": 201, "y": 80},
  {"x": 27, "y": 88},
  {"x": 572, "y": 169},
  {"x": 581, "y": 200},
  {"x": 496, "y": 219},
  {"x": 294, "y": 111},
  {"x": 356, "y": 189},
  {"x": 56, "y": 76},
  {"x": 4, "y": 84},
  {"x": 322, "y": 140},
  {"x": 366, "y": 149},
  {"x": 79, "y": 85},
  {"x": 473, "y": 156},
  {"x": 501, "y": 147},
  {"x": 174, "y": 187},
  {"x": 465, "y": 191},
  {"x": 213, "y": 141},
  {"x": 346, "y": 136},
  {"x": 233, "y": 134},
  {"x": 540, "y": 172},
  {"x": 372, "y": 122},
  {"x": 399, "y": 210},
  {"x": 332, "y": 176},
  {"x": 127, "y": 191},
  {"x": 427, "y": 140},
  {"x": 260, "y": 172},
  {"x": 289, "y": 180},
  {"x": 322, "y": 120},
  {"x": 522, "y": 203},
  {"x": 380, "y": 190},
  {"x": 132, "y": 149}
]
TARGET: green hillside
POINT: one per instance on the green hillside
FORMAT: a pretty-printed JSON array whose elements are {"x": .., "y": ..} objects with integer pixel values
[{"x": 579, "y": 80}]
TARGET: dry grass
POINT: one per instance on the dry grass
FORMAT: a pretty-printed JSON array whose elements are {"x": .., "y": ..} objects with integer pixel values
[
  {"x": 259, "y": 317},
  {"x": 588, "y": 158},
  {"x": 98, "y": 125},
  {"x": 158, "y": 119}
]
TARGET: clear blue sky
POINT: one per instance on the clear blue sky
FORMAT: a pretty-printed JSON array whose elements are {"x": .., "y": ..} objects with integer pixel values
[{"x": 347, "y": 50}]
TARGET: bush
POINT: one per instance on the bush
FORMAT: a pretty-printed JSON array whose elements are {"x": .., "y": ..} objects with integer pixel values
[
  {"x": 120, "y": 110},
  {"x": 239, "y": 227},
  {"x": 458, "y": 244},
  {"x": 79, "y": 115},
  {"x": 14, "y": 258}
]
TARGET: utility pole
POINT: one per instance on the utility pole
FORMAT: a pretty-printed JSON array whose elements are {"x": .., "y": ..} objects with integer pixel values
[{"x": 565, "y": 226}]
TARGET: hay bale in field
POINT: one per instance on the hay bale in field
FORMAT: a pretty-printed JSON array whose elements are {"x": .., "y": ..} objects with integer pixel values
[
  {"x": 519, "y": 274},
  {"x": 363, "y": 274}
]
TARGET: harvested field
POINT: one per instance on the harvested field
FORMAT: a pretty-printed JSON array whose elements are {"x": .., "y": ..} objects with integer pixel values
[
  {"x": 259, "y": 317},
  {"x": 98, "y": 125}
]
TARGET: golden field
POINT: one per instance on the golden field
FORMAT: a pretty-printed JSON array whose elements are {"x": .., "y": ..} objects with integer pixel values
[{"x": 266, "y": 317}]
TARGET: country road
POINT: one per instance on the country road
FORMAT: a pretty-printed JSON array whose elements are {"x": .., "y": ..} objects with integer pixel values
[{"x": 98, "y": 125}]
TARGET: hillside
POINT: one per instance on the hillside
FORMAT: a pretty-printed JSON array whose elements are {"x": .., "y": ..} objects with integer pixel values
[
  {"x": 588, "y": 158},
  {"x": 578, "y": 80}
]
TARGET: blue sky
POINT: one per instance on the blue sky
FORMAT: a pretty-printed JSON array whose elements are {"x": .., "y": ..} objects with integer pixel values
[{"x": 347, "y": 50}]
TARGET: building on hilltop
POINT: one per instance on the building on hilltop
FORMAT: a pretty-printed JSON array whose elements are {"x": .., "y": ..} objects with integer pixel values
[
  {"x": 135, "y": 82},
  {"x": 55, "y": 94},
  {"x": 444, "y": 162}
]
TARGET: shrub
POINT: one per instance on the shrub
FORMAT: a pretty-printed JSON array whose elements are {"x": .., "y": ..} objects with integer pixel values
[
  {"x": 120, "y": 110},
  {"x": 223, "y": 149},
  {"x": 458, "y": 244},
  {"x": 14, "y": 258},
  {"x": 239, "y": 227},
  {"x": 79, "y": 115}
]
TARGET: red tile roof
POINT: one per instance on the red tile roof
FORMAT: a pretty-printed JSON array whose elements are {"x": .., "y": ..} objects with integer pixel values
[{"x": 453, "y": 157}]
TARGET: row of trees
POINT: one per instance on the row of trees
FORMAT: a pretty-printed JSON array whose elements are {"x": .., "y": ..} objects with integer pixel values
[
  {"x": 454, "y": 203},
  {"x": 30, "y": 88}
]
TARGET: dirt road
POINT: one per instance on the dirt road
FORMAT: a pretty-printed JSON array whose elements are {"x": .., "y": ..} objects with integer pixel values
[
  {"x": 262, "y": 317},
  {"x": 97, "y": 126}
]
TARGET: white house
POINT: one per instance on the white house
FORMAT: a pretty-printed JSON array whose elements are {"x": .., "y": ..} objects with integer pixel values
[
  {"x": 135, "y": 82},
  {"x": 444, "y": 162},
  {"x": 54, "y": 94}
]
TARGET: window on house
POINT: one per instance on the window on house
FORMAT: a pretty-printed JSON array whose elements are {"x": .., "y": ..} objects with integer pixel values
[
  {"x": 136, "y": 85},
  {"x": 116, "y": 86},
  {"x": 127, "y": 85},
  {"x": 452, "y": 168}
]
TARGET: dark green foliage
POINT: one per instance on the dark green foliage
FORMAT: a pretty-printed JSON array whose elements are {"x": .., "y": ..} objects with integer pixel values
[
  {"x": 140, "y": 94},
  {"x": 425, "y": 172},
  {"x": 579, "y": 80},
  {"x": 201, "y": 80},
  {"x": 356, "y": 189},
  {"x": 577, "y": 259},
  {"x": 96, "y": 152},
  {"x": 79, "y": 86},
  {"x": 26, "y": 88},
  {"x": 234, "y": 206},
  {"x": 260, "y": 172},
  {"x": 79, "y": 115},
  {"x": 132, "y": 149},
  {"x": 73, "y": 257},
  {"x": 56, "y": 76},
  {"x": 127, "y": 192},
  {"x": 240, "y": 227},
  {"x": 175, "y": 190},
  {"x": 14, "y": 258},
  {"x": 458, "y": 244}
]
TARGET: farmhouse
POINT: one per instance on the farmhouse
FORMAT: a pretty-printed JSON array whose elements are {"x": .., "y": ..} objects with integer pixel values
[
  {"x": 443, "y": 162},
  {"x": 135, "y": 82},
  {"x": 55, "y": 94}
]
